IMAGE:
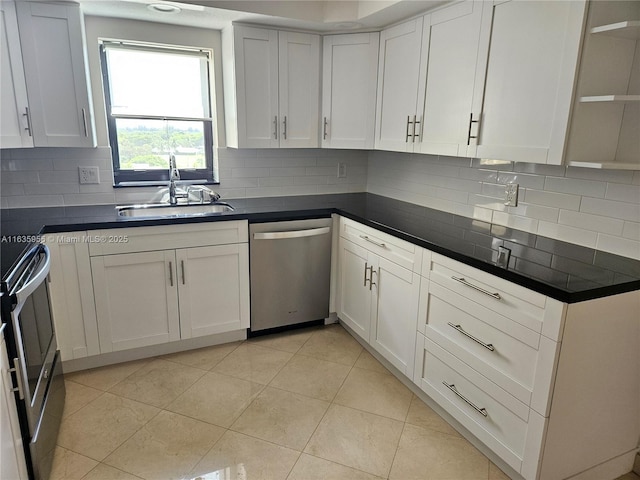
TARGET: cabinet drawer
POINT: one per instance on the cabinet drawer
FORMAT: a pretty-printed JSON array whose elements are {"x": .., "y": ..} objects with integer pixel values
[
  {"x": 502, "y": 350},
  {"x": 520, "y": 304},
  {"x": 491, "y": 414},
  {"x": 398, "y": 251},
  {"x": 146, "y": 239}
]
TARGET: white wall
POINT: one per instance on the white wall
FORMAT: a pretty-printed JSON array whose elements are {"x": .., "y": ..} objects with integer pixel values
[{"x": 595, "y": 208}]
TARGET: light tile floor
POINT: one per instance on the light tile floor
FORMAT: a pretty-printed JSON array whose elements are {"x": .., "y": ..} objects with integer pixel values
[{"x": 309, "y": 404}]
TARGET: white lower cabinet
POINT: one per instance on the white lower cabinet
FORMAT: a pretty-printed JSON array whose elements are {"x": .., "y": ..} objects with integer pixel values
[
  {"x": 377, "y": 298},
  {"x": 120, "y": 289}
]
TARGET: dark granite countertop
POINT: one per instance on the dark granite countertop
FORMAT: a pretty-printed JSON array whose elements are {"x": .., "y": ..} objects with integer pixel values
[{"x": 564, "y": 271}]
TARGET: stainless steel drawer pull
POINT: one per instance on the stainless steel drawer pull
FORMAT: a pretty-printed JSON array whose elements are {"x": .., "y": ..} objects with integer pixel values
[
  {"x": 311, "y": 232},
  {"x": 371, "y": 282},
  {"x": 324, "y": 129},
  {"x": 84, "y": 122},
  {"x": 488, "y": 346},
  {"x": 475, "y": 287},
  {"x": 471, "y": 122},
  {"x": 366, "y": 267},
  {"x": 275, "y": 127},
  {"x": 364, "y": 237},
  {"x": 284, "y": 128},
  {"x": 182, "y": 268},
  {"x": 17, "y": 371},
  {"x": 28, "y": 115},
  {"x": 452, "y": 387},
  {"x": 171, "y": 273},
  {"x": 409, "y": 122}
]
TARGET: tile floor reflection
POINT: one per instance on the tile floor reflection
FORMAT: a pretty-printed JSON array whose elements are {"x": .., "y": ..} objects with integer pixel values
[{"x": 309, "y": 404}]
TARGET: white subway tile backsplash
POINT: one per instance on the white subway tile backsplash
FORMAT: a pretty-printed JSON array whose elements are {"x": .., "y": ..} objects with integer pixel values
[
  {"x": 587, "y": 221},
  {"x": 298, "y": 161},
  {"x": 567, "y": 234},
  {"x": 615, "y": 176},
  {"x": 538, "y": 212},
  {"x": 618, "y": 245},
  {"x": 263, "y": 162},
  {"x": 484, "y": 201},
  {"x": 525, "y": 180},
  {"x": 473, "y": 211},
  {"x": 622, "y": 210},
  {"x": 34, "y": 164},
  {"x": 631, "y": 231},
  {"x": 479, "y": 174},
  {"x": 623, "y": 193},
  {"x": 539, "y": 169},
  {"x": 34, "y": 201},
  {"x": 51, "y": 188},
  {"x": 288, "y": 171},
  {"x": 515, "y": 221},
  {"x": 552, "y": 199},
  {"x": 91, "y": 198},
  {"x": 249, "y": 172},
  {"x": 12, "y": 189},
  {"x": 589, "y": 188},
  {"x": 275, "y": 181}
]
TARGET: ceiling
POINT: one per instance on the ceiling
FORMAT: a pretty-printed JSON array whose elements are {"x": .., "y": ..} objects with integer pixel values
[{"x": 314, "y": 15}]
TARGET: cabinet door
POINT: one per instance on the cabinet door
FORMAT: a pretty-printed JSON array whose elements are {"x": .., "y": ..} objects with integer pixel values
[
  {"x": 350, "y": 72},
  {"x": 401, "y": 78},
  {"x": 354, "y": 293},
  {"x": 395, "y": 315},
  {"x": 526, "y": 69},
  {"x": 14, "y": 126},
  {"x": 136, "y": 299},
  {"x": 213, "y": 288},
  {"x": 299, "y": 80},
  {"x": 12, "y": 465},
  {"x": 256, "y": 65},
  {"x": 54, "y": 60},
  {"x": 453, "y": 35},
  {"x": 72, "y": 300}
]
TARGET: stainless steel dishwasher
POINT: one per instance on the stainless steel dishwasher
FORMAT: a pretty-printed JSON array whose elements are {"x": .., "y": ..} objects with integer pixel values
[{"x": 290, "y": 272}]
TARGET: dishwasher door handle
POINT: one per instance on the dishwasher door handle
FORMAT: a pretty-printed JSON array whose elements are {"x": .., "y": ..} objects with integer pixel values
[{"x": 291, "y": 234}]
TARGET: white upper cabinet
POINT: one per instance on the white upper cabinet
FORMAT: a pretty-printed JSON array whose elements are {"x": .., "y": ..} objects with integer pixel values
[
  {"x": 14, "y": 125},
  {"x": 52, "y": 41},
  {"x": 401, "y": 81},
  {"x": 299, "y": 68},
  {"x": 524, "y": 82},
  {"x": 350, "y": 73},
  {"x": 272, "y": 88},
  {"x": 453, "y": 35}
]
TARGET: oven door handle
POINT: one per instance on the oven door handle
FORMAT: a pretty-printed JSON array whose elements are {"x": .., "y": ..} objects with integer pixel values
[{"x": 36, "y": 279}]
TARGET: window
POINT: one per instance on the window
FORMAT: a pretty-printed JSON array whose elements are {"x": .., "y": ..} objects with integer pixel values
[{"x": 158, "y": 104}]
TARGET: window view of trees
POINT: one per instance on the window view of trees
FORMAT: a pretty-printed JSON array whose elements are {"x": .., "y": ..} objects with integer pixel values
[{"x": 148, "y": 145}]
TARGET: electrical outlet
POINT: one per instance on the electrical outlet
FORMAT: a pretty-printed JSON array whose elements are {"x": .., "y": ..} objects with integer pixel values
[
  {"x": 89, "y": 175},
  {"x": 342, "y": 170},
  {"x": 511, "y": 195}
]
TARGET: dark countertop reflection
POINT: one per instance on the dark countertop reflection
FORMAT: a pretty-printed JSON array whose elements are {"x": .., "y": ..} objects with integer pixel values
[{"x": 564, "y": 271}]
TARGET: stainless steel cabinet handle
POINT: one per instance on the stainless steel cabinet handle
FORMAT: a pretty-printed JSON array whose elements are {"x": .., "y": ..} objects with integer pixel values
[
  {"x": 182, "y": 269},
  {"x": 371, "y": 282},
  {"x": 275, "y": 127},
  {"x": 415, "y": 126},
  {"x": 324, "y": 129},
  {"x": 171, "y": 273},
  {"x": 17, "y": 371},
  {"x": 28, "y": 115},
  {"x": 84, "y": 122},
  {"x": 409, "y": 122},
  {"x": 459, "y": 328},
  {"x": 291, "y": 234},
  {"x": 284, "y": 129},
  {"x": 475, "y": 287},
  {"x": 364, "y": 237},
  {"x": 366, "y": 267},
  {"x": 452, "y": 387},
  {"x": 471, "y": 122},
  {"x": 417, "y": 131}
]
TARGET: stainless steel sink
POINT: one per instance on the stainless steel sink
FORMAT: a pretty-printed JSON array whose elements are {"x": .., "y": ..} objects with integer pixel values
[{"x": 165, "y": 210}]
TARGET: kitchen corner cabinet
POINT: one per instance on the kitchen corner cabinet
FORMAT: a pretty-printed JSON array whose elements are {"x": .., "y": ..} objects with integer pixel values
[
  {"x": 378, "y": 291},
  {"x": 163, "y": 284},
  {"x": 13, "y": 464},
  {"x": 58, "y": 112},
  {"x": 350, "y": 73},
  {"x": 606, "y": 108},
  {"x": 528, "y": 375},
  {"x": 272, "y": 88}
]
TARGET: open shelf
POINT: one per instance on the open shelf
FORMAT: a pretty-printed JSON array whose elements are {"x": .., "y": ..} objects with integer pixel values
[
  {"x": 629, "y": 29},
  {"x": 607, "y": 165},
  {"x": 611, "y": 99}
]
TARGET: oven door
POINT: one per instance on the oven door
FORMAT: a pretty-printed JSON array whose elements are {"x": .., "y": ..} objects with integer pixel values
[{"x": 34, "y": 333}]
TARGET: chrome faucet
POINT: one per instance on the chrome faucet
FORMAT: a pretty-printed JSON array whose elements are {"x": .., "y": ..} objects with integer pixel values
[{"x": 174, "y": 175}]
